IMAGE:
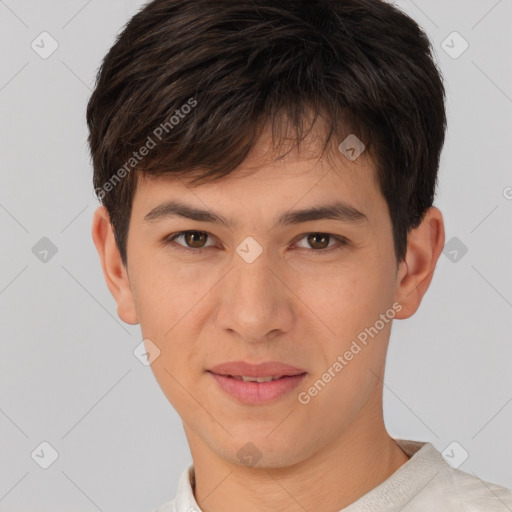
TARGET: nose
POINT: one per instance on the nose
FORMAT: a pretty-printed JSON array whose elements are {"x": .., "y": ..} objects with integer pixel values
[{"x": 256, "y": 305}]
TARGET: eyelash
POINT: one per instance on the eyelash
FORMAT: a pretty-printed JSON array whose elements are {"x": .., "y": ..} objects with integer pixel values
[{"x": 342, "y": 242}]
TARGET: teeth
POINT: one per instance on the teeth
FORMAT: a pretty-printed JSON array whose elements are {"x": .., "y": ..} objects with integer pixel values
[{"x": 256, "y": 379}]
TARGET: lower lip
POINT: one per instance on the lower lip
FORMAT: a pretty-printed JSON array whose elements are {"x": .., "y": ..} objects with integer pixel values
[{"x": 255, "y": 393}]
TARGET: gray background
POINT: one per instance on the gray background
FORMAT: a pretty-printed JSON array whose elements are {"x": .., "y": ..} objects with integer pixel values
[{"x": 68, "y": 375}]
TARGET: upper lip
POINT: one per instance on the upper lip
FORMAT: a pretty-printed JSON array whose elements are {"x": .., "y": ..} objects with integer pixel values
[{"x": 268, "y": 368}]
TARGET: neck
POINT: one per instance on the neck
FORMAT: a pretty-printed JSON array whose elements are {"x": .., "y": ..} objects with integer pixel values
[{"x": 338, "y": 474}]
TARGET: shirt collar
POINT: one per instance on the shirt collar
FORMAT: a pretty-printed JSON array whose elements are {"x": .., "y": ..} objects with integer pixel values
[{"x": 185, "y": 500}]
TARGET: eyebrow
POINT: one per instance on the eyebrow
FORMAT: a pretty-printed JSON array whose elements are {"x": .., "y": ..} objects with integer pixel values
[{"x": 337, "y": 210}]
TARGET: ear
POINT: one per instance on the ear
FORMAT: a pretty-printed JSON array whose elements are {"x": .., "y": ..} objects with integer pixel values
[
  {"x": 114, "y": 271},
  {"x": 424, "y": 246}
]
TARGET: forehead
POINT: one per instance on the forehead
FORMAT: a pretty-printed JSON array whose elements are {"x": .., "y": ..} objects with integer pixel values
[{"x": 265, "y": 185}]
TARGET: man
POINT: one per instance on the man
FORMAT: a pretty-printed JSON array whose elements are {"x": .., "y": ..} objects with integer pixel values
[{"x": 267, "y": 170}]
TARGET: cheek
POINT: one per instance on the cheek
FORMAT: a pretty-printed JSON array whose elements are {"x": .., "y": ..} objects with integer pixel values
[
  {"x": 350, "y": 305},
  {"x": 166, "y": 291},
  {"x": 171, "y": 305},
  {"x": 343, "y": 298}
]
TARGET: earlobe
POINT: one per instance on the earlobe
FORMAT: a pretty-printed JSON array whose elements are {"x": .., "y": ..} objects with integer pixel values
[
  {"x": 114, "y": 271},
  {"x": 424, "y": 246}
]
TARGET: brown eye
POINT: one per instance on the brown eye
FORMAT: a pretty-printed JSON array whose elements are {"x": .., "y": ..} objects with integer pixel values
[
  {"x": 318, "y": 240},
  {"x": 318, "y": 244},
  {"x": 195, "y": 239},
  {"x": 190, "y": 240}
]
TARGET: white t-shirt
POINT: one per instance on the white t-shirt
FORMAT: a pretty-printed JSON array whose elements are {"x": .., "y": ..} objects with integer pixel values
[{"x": 425, "y": 483}]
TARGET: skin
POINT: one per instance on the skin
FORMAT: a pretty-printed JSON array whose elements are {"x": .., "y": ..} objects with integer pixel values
[{"x": 289, "y": 305}]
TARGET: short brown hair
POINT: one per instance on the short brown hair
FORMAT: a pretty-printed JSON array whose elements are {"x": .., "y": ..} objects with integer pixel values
[{"x": 363, "y": 65}]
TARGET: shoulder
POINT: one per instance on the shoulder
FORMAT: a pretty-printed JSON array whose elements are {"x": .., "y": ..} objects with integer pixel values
[
  {"x": 472, "y": 493},
  {"x": 443, "y": 487},
  {"x": 454, "y": 489}
]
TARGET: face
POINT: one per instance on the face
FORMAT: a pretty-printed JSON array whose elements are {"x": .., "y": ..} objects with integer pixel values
[{"x": 305, "y": 292}]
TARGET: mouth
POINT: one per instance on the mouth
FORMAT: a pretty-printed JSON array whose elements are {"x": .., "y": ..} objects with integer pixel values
[
  {"x": 261, "y": 390},
  {"x": 267, "y": 370},
  {"x": 246, "y": 378}
]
